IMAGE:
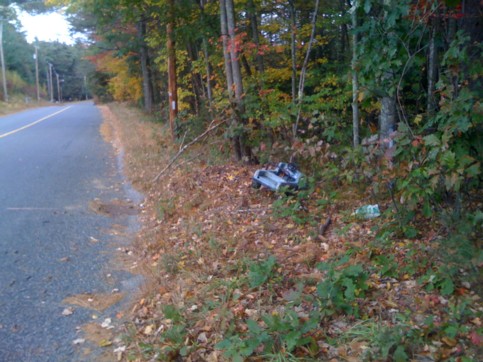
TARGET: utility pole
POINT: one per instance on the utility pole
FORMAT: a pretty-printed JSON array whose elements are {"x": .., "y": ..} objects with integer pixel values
[
  {"x": 85, "y": 85},
  {"x": 59, "y": 98},
  {"x": 37, "y": 72},
  {"x": 51, "y": 85},
  {"x": 172, "y": 82},
  {"x": 2, "y": 60},
  {"x": 48, "y": 82}
]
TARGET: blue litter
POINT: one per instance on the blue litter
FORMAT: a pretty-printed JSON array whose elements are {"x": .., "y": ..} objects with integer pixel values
[
  {"x": 285, "y": 175},
  {"x": 368, "y": 211}
]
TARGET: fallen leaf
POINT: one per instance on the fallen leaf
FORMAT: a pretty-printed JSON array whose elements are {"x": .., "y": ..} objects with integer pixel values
[
  {"x": 120, "y": 349},
  {"x": 107, "y": 323},
  {"x": 476, "y": 321},
  {"x": 105, "y": 343},
  {"x": 68, "y": 311},
  {"x": 148, "y": 330},
  {"x": 450, "y": 342},
  {"x": 476, "y": 339},
  {"x": 202, "y": 338},
  {"x": 79, "y": 341}
]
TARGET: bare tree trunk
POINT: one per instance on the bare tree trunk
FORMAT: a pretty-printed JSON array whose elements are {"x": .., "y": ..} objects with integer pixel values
[
  {"x": 144, "y": 59},
  {"x": 303, "y": 72},
  {"x": 229, "y": 75},
  {"x": 209, "y": 92},
  {"x": 293, "y": 53},
  {"x": 246, "y": 151},
  {"x": 172, "y": 83},
  {"x": 355, "y": 80},
  {"x": 208, "y": 72},
  {"x": 387, "y": 118},
  {"x": 226, "y": 49},
  {"x": 252, "y": 13},
  {"x": 344, "y": 37},
  {"x": 431, "y": 103},
  {"x": 234, "y": 55}
]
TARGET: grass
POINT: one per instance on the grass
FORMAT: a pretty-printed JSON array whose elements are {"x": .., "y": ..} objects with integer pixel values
[{"x": 18, "y": 104}]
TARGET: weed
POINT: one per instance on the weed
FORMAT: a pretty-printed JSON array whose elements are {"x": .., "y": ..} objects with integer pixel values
[
  {"x": 169, "y": 263},
  {"x": 279, "y": 333},
  {"x": 166, "y": 208},
  {"x": 341, "y": 287},
  {"x": 384, "y": 342},
  {"x": 214, "y": 246},
  {"x": 387, "y": 265},
  {"x": 260, "y": 273},
  {"x": 293, "y": 204},
  {"x": 173, "y": 339}
]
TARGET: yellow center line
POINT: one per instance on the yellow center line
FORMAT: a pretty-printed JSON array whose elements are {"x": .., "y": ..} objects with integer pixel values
[{"x": 33, "y": 123}]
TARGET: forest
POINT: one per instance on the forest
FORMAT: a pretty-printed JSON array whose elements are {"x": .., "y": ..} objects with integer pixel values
[
  {"x": 61, "y": 69},
  {"x": 378, "y": 96}
]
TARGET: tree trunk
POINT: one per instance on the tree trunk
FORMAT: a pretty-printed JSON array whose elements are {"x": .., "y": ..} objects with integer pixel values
[
  {"x": 387, "y": 118},
  {"x": 245, "y": 150},
  {"x": 344, "y": 37},
  {"x": 209, "y": 92},
  {"x": 252, "y": 14},
  {"x": 172, "y": 84},
  {"x": 355, "y": 80},
  {"x": 293, "y": 53},
  {"x": 144, "y": 59},
  {"x": 234, "y": 55},
  {"x": 229, "y": 75},
  {"x": 431, "y": 103},
  {"x": 303, "y": 71},
  {"x": 196, "y": 79},
  {"x": 226, "y": 49}
]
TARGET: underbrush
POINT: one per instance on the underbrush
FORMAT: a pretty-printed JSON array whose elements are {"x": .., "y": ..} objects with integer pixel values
[
  {"x": 242, "y": 274},
  {"x": 19, "y": 103}
]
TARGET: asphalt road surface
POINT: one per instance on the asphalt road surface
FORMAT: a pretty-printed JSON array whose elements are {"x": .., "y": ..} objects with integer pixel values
[{"x": 58, "y": 237}]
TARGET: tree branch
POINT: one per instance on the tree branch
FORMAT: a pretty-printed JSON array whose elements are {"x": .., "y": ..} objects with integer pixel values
[{"x": 210, "y": 128}]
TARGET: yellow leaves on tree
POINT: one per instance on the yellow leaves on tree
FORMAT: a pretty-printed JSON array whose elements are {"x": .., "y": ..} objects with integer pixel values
[{"x": 123, "y": 85}]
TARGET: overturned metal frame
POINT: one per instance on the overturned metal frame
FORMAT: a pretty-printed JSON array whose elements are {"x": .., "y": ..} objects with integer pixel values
[{"x": 285, "y": 175}]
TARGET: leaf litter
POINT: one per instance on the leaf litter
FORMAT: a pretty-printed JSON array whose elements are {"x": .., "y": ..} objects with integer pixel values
[{"x": 222, "y": 263}]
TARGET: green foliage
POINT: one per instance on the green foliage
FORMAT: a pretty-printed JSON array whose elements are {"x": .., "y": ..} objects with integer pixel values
[
  {"x": 386, "y": 343},
  {"x": 260, "y": 273},
  {"x": 284, "y": 332},
  {"x": 173, "y": 339},
  {"x": 387, "y": 265},
  {"x": 341, "y": 287},
  {"x": 291, "y": 204},
  {"x": 440, "y": 169},
  {"x": 442, "y": 279},
  {"x": 383, "y": 48},
  {"x": 166, "y": 208}
]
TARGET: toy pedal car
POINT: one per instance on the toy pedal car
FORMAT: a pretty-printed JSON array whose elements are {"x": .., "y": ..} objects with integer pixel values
[{"x": 286, "y": 174}]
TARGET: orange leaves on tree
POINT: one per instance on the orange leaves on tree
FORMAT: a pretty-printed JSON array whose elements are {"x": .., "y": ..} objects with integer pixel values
[{"x": 123, "y": 85}]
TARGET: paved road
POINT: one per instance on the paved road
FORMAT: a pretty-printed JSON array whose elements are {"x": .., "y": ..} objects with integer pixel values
[{"x": 53, "y": 164}]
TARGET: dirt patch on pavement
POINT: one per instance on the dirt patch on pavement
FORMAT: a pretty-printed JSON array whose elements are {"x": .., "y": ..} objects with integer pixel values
[
  {"x": 113, "y": 208},
  {"x": 98, "y": 336},
  {"x": 98, "y": 302}
]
